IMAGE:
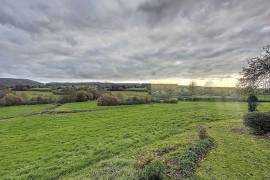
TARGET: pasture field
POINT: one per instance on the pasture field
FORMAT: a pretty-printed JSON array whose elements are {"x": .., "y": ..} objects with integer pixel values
[
  {"x": 108, "y": 143},
  {"x": 15, "y": 111},
  {"x": 83, "y": 107},
  {"x": 34, "y": 94},
  {"x": 90, "y": 105},
  {"x": 130, "y": 94}
]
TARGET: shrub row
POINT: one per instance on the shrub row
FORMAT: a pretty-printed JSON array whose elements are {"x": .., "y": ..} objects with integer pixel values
[
  {"x": 110, "y": 100},
  {"x": 11, "y": 99},
  {"x": 170, "y": 101},
  {"x": 188, "y": 162},
  {"x": 136, "y": 100},
  {"x": 79, "y": 96},
  {"x": 41, "y": 100},
  {"x": 185, "y": 165},
  {"x": 211, "y": 99},
  {"x": 258, "y": 122},
  {"x": 104, "y": 99},
  {"x": 217, "y": 99}
]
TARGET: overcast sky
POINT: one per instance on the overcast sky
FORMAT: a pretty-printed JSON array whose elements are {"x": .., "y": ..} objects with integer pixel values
[{"x": 131, "y": 40}]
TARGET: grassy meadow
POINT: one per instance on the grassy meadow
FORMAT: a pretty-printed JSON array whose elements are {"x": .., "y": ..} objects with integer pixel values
[
  {"x": 130, "y": 94},
  {"x": 31, "y": 94},
  {"x": 85, "y": 141},
  {"x": 19, "y": 111}
]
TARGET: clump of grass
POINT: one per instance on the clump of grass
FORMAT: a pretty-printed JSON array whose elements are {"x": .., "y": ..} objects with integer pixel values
[
  {"x": 258, "y": 122},
  {"x": 115, "y": 168},
  {"x": 155, "y": 170},
  {"x": 202, "y": 133}
]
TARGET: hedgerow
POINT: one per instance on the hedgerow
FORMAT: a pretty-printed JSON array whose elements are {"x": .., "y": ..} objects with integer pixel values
[
  {"x": 258, "y": 122},
  {"x": 188, "y": 163},
  {"x": 184, "y": 166},
  {"x": 10, "y": 100},
  {"x": 111, "y": 100}
]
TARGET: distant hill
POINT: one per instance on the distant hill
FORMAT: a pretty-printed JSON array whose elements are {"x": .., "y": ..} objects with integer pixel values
[{"x": 12, "y": 82}]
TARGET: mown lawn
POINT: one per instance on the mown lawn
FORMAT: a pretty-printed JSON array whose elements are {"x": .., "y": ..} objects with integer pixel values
[{"x": 107, "y": 143}]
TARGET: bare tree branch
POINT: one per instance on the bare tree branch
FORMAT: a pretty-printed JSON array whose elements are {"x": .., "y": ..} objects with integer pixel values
[{"x": 257, "y": 73}]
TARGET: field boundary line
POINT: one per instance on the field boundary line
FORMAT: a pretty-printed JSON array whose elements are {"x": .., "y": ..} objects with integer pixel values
[
  {"x": 84, "y": 110},
  {"x": 31, "y": 114},
  {"x": 50, "y": 111}
]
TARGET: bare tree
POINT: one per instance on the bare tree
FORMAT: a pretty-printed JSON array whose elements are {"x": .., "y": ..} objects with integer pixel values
[{"x": 257, "y": 74}]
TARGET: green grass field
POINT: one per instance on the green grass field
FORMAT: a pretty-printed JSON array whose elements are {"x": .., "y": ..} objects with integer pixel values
[
  {"x": 34, "y": 94},
  {"x": 263, "y": 98},
  {"x": 18, "y": 111},
  {"x": 108, "y": 142},
  {"x": 90, "y": 105},
  {"x": 128, "y": 94}
]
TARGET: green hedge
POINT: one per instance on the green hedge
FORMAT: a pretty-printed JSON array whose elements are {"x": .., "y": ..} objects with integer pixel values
[
  {"x": 211, "y": 99},
  {"x": 11, "y": 100},
  {"x": 111, "y": 100},
  {"x": 258, "y": 122},
  {"x": 108, "y": 100},
  {"x": 169, "y": 101}
]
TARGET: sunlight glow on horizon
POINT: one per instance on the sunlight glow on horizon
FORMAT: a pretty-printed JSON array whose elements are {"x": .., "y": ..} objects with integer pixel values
[{"x": 209, "y": 82}]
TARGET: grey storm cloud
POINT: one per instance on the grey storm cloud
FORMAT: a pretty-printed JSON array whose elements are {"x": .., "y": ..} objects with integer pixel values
[{"x": 130, "y": 40}]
